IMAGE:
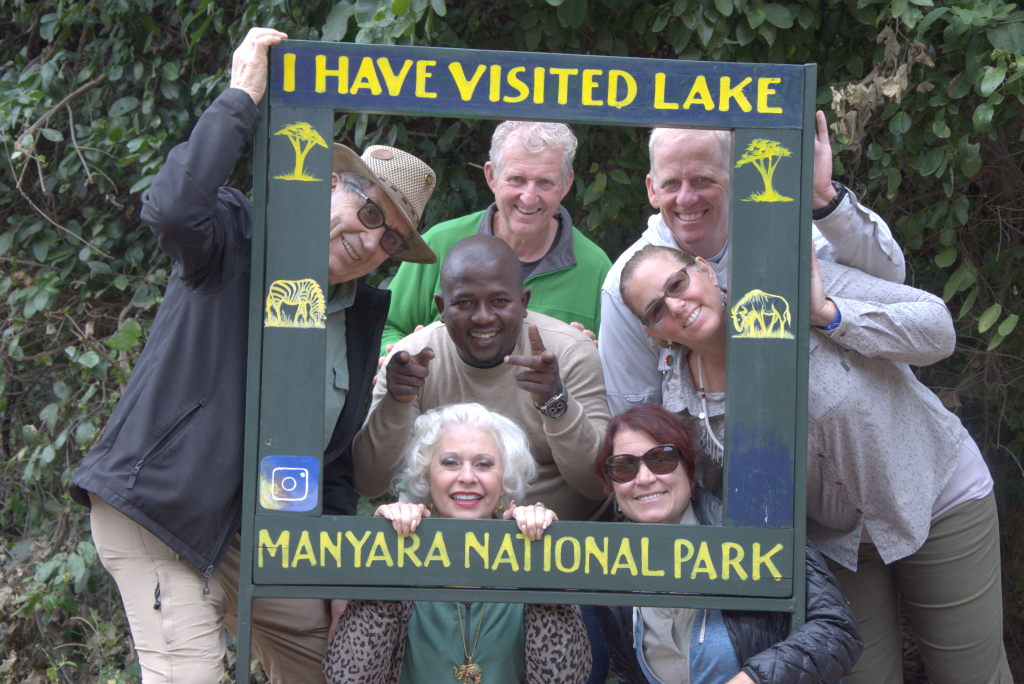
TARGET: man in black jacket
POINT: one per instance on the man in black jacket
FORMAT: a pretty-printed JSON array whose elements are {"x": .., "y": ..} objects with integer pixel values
[{"x": 165, "y": 482}]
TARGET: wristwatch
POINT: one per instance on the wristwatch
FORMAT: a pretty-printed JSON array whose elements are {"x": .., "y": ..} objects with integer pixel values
[
  {"x": 826, "y": 211},
  {"x": 556, "y": 406},
  {"x": 835, "y": 321}
]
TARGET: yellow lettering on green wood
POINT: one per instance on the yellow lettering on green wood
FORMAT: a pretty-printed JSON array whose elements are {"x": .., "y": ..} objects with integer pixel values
[
  {"x": 322, "y": 72},
  {"x": 357, "y": 545},
  {"x": 575, "y": 554},
  {"x": 599, "y": 554},
  {"x": 326, "y": 545},
  {"x": 727, "y": 93},
  {"x": 760, "y": 560},
  {"x": 304, "y": 551},
  {"x": 624, "y": 559},
  {"x": 393, "y": 81},
  {"x": 272, "y": 546},
  {"x": 466, "y": 86}
]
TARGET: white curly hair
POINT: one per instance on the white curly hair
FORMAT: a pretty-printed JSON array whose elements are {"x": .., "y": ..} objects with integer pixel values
[{"x": 518, "y": 469}]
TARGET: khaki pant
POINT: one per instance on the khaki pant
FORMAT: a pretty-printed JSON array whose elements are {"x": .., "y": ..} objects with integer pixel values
[
  {"x": 951, "y": 589},
  {"x": 182, "y": 641}
]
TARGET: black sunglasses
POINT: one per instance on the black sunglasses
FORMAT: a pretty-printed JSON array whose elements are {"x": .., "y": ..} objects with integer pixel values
[
  {"x": 660, "y": 460},
  {"x": 371, "y": 216}
]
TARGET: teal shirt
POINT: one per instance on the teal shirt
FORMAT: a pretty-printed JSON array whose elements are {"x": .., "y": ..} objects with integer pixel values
[
  {"x": 336, "y": 387},
  {"x": 712, "y": 657},
  {"x": 435, "y": 647}
]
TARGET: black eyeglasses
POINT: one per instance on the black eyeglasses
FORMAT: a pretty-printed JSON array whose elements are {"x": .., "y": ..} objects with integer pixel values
[
  {"x": 660, "y": 460},
  {"x": 658, "y": 310},
  {"x": 371, "y": 216}
]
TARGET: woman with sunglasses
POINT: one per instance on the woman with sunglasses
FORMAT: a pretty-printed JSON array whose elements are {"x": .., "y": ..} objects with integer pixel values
[
  {"x": 648, "y": 463},
  {"x": 898, "y": 495}
]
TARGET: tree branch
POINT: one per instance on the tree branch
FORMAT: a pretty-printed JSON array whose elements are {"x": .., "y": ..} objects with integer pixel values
[
  {"x": 42, "y": 213},
  {"x": 74, "y": 142},
  {"x": 74, "y": 93},
  {"x": 58, "y": 664}
]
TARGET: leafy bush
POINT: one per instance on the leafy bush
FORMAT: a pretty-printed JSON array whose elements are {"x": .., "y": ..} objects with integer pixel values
[{"x": 925, "y": 99}]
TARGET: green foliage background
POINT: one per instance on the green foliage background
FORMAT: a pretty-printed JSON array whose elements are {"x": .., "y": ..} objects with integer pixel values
[{"x": 93, "y": 94}]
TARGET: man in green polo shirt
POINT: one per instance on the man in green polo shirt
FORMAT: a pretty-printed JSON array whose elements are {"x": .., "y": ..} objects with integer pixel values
[{"x": 529, "y": 172}]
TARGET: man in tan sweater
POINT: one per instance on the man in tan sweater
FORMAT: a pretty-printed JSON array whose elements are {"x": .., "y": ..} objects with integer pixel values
[{"x": 544, "y": 375}]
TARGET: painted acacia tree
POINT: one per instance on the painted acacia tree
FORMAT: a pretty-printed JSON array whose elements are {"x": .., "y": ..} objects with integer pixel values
[
  {"x": 303, "y": 139},
  {"x": 924, "y": 95},
  {"x": 765, "y": 155}
]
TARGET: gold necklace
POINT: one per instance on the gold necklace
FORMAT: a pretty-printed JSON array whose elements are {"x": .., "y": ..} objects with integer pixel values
[{"x": 470, "y": 672}]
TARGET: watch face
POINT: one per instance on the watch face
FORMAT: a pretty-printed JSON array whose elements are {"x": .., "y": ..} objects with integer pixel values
[{"x": 557, "y": 408}]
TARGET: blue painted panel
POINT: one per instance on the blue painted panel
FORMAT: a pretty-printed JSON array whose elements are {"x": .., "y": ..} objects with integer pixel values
[{"x": 760, "y": 477}]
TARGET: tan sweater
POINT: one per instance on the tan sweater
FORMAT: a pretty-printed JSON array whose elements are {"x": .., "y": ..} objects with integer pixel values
[{"x": 565, "y": 448}]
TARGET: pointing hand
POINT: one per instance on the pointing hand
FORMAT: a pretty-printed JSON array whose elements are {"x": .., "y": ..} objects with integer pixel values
[
  {"x": 540, "y": 378},
  {"x": 407, "y": 373}
]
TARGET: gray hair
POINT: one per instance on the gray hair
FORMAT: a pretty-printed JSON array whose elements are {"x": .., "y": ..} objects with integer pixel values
[
  {"x": 638, "y": 259},
  {"x": 535, "y": 137},
  {"x": 664, "y": 136},
  {"x": 518, "y": 469}
]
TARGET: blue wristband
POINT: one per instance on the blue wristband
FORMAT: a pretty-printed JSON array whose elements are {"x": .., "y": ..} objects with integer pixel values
[{"x": 835, "y": 321}]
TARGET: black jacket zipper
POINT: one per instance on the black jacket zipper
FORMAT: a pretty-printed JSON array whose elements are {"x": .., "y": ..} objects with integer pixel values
[{"x": 176, "y": 427}]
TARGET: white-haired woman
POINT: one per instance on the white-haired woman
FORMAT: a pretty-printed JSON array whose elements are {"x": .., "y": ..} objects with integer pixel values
[
  {"x": 898, "y": 496},
  {"x": 464, "y": 462}
]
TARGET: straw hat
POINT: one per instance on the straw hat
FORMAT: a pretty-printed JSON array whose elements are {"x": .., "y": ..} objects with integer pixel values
[{"x": 403, "y": 178}]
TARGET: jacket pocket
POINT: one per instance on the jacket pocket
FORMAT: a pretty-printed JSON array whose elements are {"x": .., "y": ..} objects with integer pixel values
[
  {"x": 341, "y": 377},
  {"x": 174, "y": 430}
]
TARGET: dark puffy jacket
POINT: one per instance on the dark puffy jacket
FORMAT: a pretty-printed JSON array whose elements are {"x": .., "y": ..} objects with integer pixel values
[
  {"x": 823, "y": 649},
  {"x": 171, "y": 456}
]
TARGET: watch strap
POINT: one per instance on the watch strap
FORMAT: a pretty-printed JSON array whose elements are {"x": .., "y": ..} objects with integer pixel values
[
  {"x": 826, "y": 211},
  {"x": 835, "y": 321},
  {"x": 556, "y": 406}
]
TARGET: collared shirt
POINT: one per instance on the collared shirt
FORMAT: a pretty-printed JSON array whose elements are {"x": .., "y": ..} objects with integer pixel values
[
  {"x": 880, "y": 446},
  {"x": 852, "y": 235},
  {"x": 560, "y": 254},
  {"x": 683, "y": 645},
  {"x": 336, "y": 385}
]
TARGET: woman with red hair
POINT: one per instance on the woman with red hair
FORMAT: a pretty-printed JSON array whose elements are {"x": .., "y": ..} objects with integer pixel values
[{"x": 648, "y": 463}]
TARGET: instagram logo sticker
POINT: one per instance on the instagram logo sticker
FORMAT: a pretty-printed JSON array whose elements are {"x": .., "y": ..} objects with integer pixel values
[{"x": 289, "y": 483}]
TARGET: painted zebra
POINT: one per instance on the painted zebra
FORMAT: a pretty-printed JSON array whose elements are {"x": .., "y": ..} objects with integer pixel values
[{"x": 307, "y": 298}]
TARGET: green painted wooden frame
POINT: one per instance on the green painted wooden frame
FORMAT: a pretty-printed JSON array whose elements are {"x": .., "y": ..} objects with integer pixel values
[{"x": 756, "y": 561}]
